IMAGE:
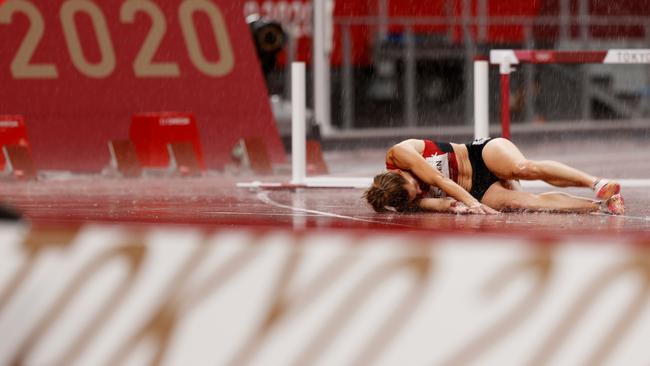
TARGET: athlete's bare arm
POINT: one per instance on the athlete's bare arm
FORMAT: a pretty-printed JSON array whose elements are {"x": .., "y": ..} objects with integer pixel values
[{"x": 446, "y": 204}]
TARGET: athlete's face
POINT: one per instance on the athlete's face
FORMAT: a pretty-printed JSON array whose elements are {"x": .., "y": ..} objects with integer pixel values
[{"x": 412, "y": 186}]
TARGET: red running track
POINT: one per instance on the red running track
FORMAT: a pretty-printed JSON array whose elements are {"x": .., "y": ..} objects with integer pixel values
[{"x": 216, "y": 201}]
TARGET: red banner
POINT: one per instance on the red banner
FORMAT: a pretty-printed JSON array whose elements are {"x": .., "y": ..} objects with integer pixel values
[{"x": 77, "y": 70}]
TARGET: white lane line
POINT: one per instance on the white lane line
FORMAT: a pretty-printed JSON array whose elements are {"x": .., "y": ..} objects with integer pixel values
[
  {"x": 264, "y": 197},
  {"x": 228, "y": 213}
]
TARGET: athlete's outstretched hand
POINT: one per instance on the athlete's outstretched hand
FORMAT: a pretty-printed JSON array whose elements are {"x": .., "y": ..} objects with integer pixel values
[
  {"x": 489, "y": 210},
  {"x": 459, "y": 208},
  {"x": 481, "y": 209},
  {"x": 478, "y": 209}
]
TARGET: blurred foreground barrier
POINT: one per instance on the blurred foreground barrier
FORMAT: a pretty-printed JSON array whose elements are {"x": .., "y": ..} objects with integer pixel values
[{"x": 107, "y": 295}]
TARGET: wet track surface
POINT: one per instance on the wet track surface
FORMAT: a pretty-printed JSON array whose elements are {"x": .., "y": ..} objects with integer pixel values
[{"x": 214, "y": 199}]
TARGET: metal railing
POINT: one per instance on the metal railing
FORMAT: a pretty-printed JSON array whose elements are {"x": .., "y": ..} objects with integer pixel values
[
  {"x": 471, "y": 47},
  {"x": 474, "y": 32}
]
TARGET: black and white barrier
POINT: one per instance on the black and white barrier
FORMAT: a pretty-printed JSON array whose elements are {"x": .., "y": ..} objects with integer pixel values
[{"x": 109, "y": 295}]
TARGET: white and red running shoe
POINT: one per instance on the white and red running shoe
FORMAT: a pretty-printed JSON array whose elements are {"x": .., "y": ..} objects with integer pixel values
[
  {"x": 614, "y": 205},
  {"x": 605, "y": 189}
]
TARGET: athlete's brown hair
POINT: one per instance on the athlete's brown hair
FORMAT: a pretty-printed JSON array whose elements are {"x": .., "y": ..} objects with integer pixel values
[{"x": 388, "y": 190}]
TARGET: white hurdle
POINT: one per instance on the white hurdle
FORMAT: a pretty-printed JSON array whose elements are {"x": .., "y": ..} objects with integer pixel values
[
  {"x": 481, "y": 101},
  {"x": 299, "y": 177},
  {"x": 505, "y": 59},
  {"x": 298, "y": 124}
]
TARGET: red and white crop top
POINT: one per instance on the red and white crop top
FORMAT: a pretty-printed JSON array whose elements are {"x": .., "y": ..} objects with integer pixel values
[{"x": 441, "y": 156}]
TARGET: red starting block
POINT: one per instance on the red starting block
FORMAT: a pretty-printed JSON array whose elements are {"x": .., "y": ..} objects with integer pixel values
[
  {"x": 152, "y": 132},
  {"x": 18, "y": 162},
  {"x": 12, "y": 132}
]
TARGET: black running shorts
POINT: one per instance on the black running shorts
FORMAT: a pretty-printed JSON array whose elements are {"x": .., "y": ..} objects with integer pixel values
[{"x": 482, "y": 177}]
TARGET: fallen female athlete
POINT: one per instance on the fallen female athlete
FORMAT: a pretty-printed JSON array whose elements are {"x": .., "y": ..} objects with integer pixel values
[{"x": 481, "y": 178}]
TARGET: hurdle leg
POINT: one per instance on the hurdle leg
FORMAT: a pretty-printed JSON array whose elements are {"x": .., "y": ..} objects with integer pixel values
[
  {"x": 481, "y": 101},
  {"x": 298, "y": 129},
  {"x": 505, "y": 105}
]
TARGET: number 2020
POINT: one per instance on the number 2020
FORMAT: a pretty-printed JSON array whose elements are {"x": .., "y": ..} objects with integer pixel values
[{"x": 143, "y": 65}]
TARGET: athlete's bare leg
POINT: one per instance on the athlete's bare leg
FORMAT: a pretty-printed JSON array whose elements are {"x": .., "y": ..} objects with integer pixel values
[
  {"x": 501, "y": 198},
  {"x": 505, "y": 160}
]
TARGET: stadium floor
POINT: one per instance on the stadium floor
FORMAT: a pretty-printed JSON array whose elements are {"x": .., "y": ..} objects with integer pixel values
[{"x": 216, "y": 201}]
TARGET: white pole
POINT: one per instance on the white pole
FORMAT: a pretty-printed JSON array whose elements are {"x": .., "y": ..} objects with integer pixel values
[
  {"x": 481, "y": 101},
  {"x": 321, "y": 65},
  {"x": 298, "y": 122}
]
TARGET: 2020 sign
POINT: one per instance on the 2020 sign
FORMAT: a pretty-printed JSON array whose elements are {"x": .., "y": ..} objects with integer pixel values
[{"x": 144, "y": 65}]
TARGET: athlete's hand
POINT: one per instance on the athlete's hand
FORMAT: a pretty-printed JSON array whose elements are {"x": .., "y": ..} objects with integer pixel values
[
  {"x": 481, "y": 209},
  {"x": 459, "y": 208},
  {"x": 489, "y": 210}
]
